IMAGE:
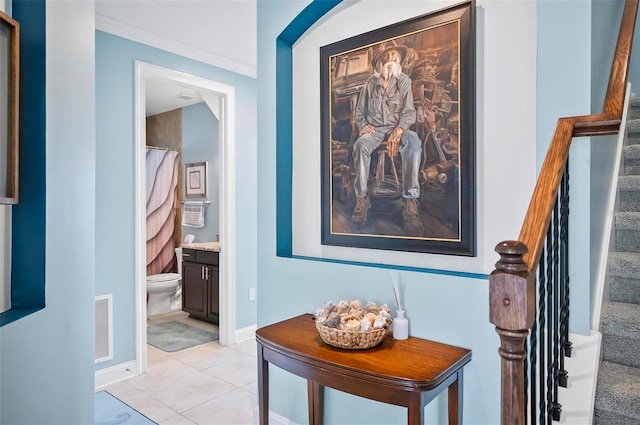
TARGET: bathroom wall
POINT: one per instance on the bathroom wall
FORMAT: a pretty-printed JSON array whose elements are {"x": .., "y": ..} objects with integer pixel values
[
  {"x": 194, "y": 130},
  {"x": 165, "y": 130},
  {"x": 200, "y": 141}
]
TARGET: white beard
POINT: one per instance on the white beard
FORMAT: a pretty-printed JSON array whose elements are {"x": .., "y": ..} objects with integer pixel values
[{"x": 390, "y": 69}]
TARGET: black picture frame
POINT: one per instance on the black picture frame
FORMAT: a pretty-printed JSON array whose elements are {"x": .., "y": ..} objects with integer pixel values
[
  {"x": 437, "y": 52},
  {"x": 9, "y": 95}
]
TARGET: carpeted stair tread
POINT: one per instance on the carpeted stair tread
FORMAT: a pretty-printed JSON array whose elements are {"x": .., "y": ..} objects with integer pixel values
[
  {"x": 629, "y": 220},
  {"x": 625, "y": 264},
  {"x": 633, "y": 123},
  {"x": 622, "y": 319},
  {"x": 617, "y": 395},
  {"x": 634, "y": 108},
  {"x": 627, "y": 231},
  {"x": 629, "y": 193},
  {"x": 629, "y": 183},
  {"x": 633, "y": 126},
  {"x": 620, "y": 327},
  {"x": 631, "y": 152},
  {"x": 624, "y": 289}
]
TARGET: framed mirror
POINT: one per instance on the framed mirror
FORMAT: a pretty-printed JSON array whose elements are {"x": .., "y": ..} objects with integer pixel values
[{"x": 9, "y": 92}]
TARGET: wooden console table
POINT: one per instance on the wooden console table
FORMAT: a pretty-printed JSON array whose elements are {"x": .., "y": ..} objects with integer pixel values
[{"x": 408, "y": 373}]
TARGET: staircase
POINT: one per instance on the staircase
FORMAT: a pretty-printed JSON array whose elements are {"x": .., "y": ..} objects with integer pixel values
[{"x": 618, "y": 388}]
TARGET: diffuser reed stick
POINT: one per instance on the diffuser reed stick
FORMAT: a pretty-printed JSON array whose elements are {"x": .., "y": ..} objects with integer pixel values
[
  {"x": 396, "y": 289},
  {"x": 400, "y": 323}
]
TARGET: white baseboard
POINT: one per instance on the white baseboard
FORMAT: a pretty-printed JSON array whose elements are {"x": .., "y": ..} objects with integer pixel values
[
  {"x": 578, "y": 400},
  {"x": 274, "y": 418},
  {"x": 111, "y": 375},
  {"x": 608, "y": 238},
  {"x": 245, "y": 334}
]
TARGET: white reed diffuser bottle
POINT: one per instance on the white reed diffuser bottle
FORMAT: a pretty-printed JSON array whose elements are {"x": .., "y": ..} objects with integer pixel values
[{"x": 400, "y": 323}]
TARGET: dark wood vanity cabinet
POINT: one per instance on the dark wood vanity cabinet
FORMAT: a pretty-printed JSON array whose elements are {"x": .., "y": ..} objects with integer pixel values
[{"x": 201, "y": 284}]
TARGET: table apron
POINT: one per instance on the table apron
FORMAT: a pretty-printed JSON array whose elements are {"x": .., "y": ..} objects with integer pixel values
[{"x": 399, "y": 395}]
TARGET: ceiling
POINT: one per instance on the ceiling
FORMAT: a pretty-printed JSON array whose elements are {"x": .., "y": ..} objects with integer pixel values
[
  {"x": 221, "y": 33},
  {"x": 162, "y": 96}
]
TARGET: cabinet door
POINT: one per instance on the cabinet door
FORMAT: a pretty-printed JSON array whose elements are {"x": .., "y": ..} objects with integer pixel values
[
  {"x": 194, "y": 290},
  {"x": 213, "y": 315}
]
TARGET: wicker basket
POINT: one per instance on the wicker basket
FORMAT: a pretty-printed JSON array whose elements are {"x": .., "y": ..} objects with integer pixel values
[{"x": 353, "y": 340}]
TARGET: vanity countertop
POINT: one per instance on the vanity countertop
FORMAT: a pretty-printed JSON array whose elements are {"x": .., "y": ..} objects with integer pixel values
[{"x": 203, "y": 246}]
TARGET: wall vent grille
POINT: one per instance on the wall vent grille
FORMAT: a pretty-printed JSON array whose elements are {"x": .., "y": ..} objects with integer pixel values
[{"x": 104, "y": 336}]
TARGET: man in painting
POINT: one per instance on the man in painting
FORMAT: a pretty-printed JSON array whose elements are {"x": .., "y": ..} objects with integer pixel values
[{"x": 385, "y": 112}]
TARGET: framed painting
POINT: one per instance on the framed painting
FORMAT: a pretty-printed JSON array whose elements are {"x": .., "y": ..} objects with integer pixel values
[
  {"x": 9, "y": 91},
  {"x": 196, "y": 180},
  {"x": 398, "y": 136}
]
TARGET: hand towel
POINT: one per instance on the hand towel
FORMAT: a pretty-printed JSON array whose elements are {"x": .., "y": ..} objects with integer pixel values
[{"x": 193, "y": 214}]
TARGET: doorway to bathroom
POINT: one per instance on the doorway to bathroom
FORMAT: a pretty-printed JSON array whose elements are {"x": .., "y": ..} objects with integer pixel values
[{"x": 220, "y": 98}]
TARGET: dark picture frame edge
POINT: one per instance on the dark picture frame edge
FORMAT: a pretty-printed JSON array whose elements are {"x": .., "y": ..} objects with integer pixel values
[
  {"x": 465, "y": 243},
  {"x": 9, "y": 106}
]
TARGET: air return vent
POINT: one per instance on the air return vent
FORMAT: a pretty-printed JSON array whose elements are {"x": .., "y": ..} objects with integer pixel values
[{"x": 104, "y": 336}]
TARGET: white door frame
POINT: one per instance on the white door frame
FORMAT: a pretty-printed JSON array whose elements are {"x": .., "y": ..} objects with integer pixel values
[{"x": 227, "y": 117}]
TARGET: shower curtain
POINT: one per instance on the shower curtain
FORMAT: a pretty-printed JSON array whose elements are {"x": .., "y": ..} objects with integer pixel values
[{"x": 162, "y": 206}]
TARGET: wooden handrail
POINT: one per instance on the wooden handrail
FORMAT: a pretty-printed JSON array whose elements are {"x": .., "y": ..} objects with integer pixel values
[
  {"x": 512, "y": 292},
  {"x": 534, "y": 228}
]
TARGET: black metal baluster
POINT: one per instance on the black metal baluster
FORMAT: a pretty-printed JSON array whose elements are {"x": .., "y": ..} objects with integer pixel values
[
  {"x": 541, "y": 323},
  {"x": 563, "y": 375},
  {"x": 549, "y": 389},
  {"x": 533, "y": 347},
  {"x": 557, "y": 408},
  {"x": 527, "y": 344},
  {"x": 568, "y": 346}
]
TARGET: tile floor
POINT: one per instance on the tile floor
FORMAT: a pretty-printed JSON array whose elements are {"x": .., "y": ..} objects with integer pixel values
[{"x": 204, "y": 385}]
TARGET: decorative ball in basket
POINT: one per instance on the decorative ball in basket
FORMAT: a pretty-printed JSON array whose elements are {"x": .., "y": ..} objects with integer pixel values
[{"x": 350, "y": 325}]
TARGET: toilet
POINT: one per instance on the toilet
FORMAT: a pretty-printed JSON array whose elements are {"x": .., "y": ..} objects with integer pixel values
[{"x": 165, "y": 290}]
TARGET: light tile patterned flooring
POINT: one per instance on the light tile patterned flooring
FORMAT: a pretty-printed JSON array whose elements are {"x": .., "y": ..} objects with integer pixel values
[{"x": 204, "y": 385}]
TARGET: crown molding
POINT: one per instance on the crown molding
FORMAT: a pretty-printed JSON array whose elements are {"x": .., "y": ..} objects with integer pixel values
[{"x": 117, "y": 28}]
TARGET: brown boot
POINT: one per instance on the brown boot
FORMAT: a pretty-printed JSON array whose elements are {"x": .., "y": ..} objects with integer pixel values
[
  {"x": 359, "y": 216},
  {"x": 411, "y": 217}
]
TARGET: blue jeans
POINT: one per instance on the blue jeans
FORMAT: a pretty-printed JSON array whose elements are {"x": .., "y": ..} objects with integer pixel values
[{"x": 410, "y": 153}]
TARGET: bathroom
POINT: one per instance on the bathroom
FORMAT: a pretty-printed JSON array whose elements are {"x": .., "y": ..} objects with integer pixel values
[{"x": 182, "y": 186}]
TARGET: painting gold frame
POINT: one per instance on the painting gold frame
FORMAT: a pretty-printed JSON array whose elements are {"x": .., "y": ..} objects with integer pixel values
[{"x": 9, "y": 93}]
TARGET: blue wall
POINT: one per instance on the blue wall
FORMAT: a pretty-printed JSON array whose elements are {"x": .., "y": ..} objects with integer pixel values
[
  {"x": 115, "y": 58},
  {"x": 200, "y": 143},
  {"x": 46, "y": 358},
  {"x": 449, "y": 309},
  {"x": 444, "y": 308},
  {"x": 564, "y": 90}
]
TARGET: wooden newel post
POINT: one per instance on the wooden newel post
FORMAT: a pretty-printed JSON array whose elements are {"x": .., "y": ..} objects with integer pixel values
[{"x": 512, "y": 309}]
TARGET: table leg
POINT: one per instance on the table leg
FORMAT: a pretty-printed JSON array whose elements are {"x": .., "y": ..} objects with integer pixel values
[
  {"x": 455, "y": 400},
  {"x": 415, "y": 409},
  {"x": 315, "y": 393},
  {"x": 263, "y": 388}
]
